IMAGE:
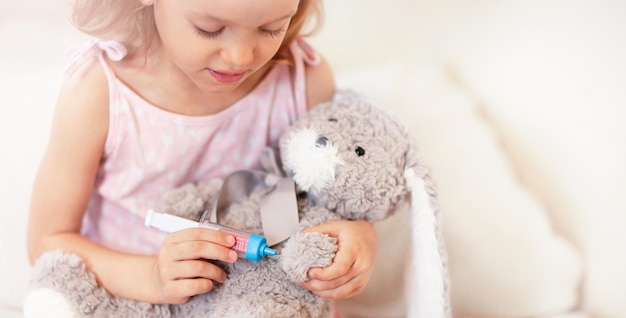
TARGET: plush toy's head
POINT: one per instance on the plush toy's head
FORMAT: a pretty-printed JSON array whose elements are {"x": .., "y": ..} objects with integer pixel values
[
  {"x": 350, "y": 157},
  {"x": 362, "y": 163}
]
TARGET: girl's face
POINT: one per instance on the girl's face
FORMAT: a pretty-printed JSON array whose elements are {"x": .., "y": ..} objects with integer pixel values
[{"x": 219, "y": 44}]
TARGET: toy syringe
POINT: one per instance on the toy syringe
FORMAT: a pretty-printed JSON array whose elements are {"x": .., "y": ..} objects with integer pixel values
[{"x": 250, "y": 246}]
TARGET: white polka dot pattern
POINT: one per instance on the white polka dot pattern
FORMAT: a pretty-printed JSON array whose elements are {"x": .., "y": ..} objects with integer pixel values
[{"x": 149, "y": 150}]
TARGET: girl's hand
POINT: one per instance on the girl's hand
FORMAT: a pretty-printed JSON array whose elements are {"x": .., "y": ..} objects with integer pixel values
[
  {"x": 181, "y": 269},
  {"x": 352, "y": 266}
]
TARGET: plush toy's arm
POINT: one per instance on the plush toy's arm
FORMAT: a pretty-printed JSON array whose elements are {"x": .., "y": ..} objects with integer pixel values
[
  {"x": 303, "y": 251},
  {"x": 190, "y": 200}
]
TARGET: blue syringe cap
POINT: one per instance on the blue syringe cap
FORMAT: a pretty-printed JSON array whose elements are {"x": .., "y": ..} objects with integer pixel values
[{"x": 257, "y": 248}]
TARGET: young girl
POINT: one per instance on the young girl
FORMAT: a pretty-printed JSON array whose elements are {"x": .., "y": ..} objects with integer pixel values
[{"x": 181, "y": 91}]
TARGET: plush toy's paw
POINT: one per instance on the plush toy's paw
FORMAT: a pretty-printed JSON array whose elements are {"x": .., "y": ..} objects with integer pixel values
[
  {"x": 307, "y": 250},
  {"x": 47, "y": 303},
  {"x": 67, "y": 275},
  {"x": 61, "y": 286},
  {"x": 209, "y": 190}
]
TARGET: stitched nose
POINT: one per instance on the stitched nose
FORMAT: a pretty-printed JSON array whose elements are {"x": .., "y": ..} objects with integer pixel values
[{"x": 321, "y": 142}]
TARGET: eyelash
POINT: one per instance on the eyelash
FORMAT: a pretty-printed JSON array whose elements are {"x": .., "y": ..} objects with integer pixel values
[
  {"x": 214, "y": 34},
  {"x": 274, "y": 33},
  {"x": 208, "y": 34}
]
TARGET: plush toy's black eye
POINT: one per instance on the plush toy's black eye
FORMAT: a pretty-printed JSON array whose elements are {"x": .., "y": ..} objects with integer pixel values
[
  {"x": 334, "y": 120},
  {"x": 359, "y": 151}
]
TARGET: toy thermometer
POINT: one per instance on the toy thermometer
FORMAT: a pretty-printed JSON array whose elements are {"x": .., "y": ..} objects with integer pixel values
[{"x": 250, "y": 246}]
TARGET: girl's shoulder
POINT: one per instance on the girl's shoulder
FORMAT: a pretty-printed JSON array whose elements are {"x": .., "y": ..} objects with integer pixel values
[
  {"x": 82, "y": 56},
  {"x": 86, "y": 83},
  {"x": 85, "y": 74},
  {"x": 84, "y": 94},
  {"x": 319, "y": 77}
]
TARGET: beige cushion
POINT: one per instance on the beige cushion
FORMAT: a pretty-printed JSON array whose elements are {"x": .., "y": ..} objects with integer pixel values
[
  {"x": 553, "y": 93},
  {"x": 505, "y": 258}
]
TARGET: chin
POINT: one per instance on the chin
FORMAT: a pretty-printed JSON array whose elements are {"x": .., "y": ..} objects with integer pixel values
[{"x": 214, "y": 87}]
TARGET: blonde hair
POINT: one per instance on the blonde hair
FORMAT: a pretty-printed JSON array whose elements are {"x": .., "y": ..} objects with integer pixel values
[{"x": 132, "y": 23}]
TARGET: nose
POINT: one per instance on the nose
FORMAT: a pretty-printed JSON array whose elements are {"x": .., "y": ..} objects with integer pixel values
[{"x": 237, "y": 53}]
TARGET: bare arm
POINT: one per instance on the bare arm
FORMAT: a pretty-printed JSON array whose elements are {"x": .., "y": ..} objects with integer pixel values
[
  {"x": 61, "y": 193},
  {"x": 65, "y": 179}
]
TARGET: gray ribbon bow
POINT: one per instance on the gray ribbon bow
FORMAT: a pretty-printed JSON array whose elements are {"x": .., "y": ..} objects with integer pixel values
[{"x": 278, "y": 207}]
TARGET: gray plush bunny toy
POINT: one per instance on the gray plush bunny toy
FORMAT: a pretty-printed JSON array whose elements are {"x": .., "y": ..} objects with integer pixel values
[{"x": 349, "y": 160}]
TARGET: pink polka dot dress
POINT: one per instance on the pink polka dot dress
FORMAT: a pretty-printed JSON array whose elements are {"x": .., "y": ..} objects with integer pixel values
[{"x": 149, "y": 150}]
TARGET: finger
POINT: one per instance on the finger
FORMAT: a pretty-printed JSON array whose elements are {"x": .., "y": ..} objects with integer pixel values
[
  {"x": 349, "y": 289},
  {"x": 198, "y": 269},
  {"x": 173, "y": 271},
  {"x": 321, "y": 285},
  {"x": 342, "y": 265},
  {"x": 193, "y": 250},
  {"x": 200, "y": 234},
  {"x": 331, "y": 228},
  {"x": 179, "y": 291}
]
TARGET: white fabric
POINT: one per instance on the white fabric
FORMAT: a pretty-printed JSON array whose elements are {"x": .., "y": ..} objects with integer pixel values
[
  {"x": 47, "y": 303},
  {"x": 554, "y": 93},
  {"x": 425, "y": 295}
]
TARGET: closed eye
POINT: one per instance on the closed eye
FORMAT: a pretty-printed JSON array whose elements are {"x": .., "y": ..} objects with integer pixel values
[
  {"x": 208, "y": 34},
  {"x": 274, "y": 33}
]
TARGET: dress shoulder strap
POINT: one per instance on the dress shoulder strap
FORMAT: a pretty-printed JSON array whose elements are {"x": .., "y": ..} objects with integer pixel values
[
  {"x": 92, "y": 48},
  {"x": 303, "y": 54},
  {"x": 302, "y": 50}
]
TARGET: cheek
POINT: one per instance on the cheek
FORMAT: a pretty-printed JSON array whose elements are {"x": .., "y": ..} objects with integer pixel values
[
  {"x": 267, "y": 49},
  {"x": 192, "y": 52},
  {"x": 188, "y": 50},
  {"x": 178, "y": 38}
]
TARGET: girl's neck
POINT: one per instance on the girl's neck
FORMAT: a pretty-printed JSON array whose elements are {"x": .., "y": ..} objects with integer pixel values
[{"x": 159, "y": 81}]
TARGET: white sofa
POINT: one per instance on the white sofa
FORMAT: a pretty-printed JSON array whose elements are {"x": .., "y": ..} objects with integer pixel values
[{"x": 519, "y": 107}]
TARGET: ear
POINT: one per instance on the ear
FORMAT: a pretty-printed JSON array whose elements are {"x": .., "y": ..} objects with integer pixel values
[{"x": 427, "y": 294}]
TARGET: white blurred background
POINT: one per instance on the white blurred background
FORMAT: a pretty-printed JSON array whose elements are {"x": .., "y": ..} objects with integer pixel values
[{"x": 519, "y": 107}]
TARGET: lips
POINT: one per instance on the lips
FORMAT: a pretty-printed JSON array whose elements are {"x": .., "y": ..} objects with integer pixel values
[{"x": 226, "y": 76}]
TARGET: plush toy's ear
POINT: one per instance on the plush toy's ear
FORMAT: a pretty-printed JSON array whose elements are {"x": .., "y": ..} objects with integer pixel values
[{"x": 427, "y": 294}]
